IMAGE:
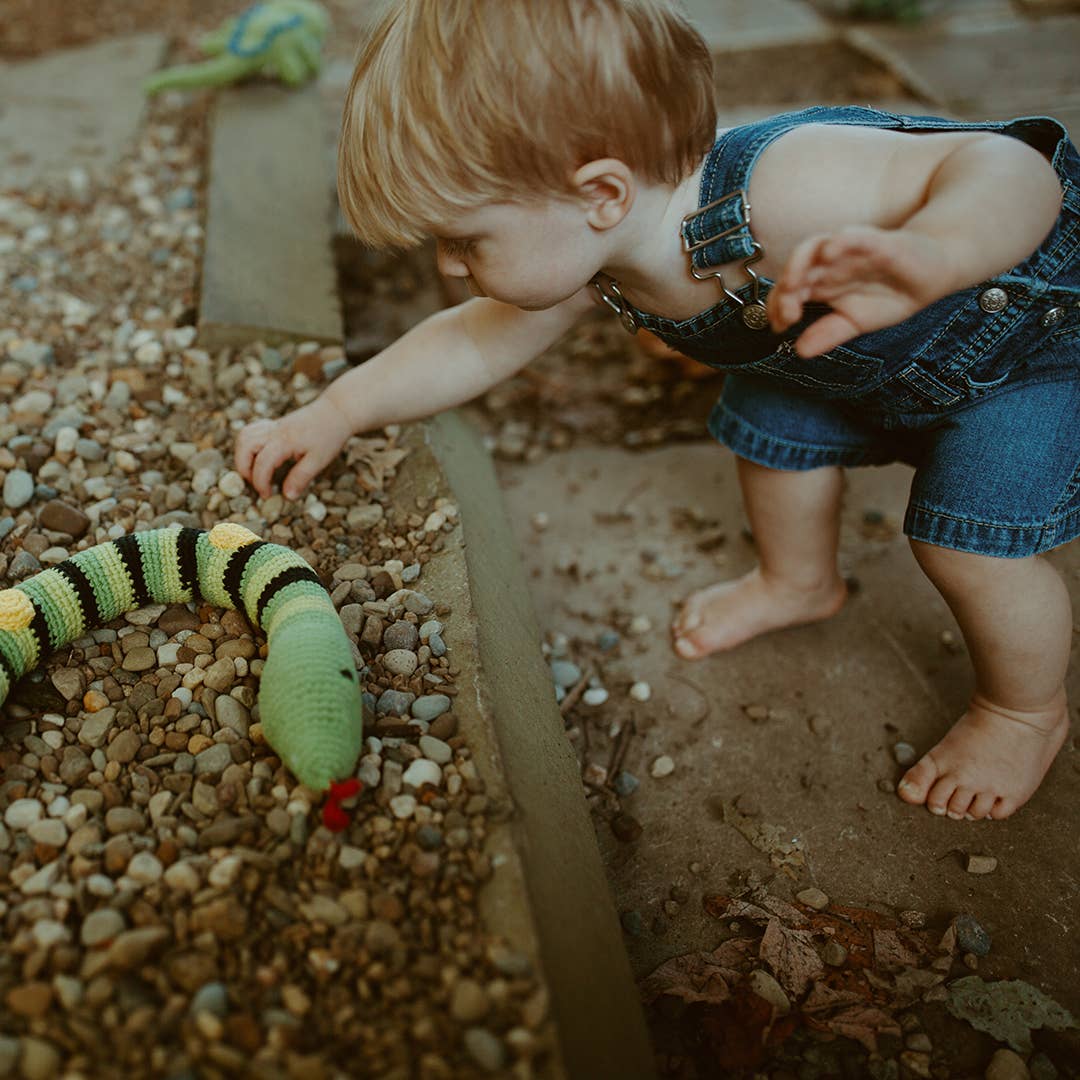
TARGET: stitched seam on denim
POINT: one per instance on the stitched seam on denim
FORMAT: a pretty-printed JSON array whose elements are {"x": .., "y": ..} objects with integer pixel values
[
  {"x": 776, "y": 440},
  {"x": 920, "y": 508},
  {"x": 1067, "y": 496},
  {"x": 919, "y": 381}
]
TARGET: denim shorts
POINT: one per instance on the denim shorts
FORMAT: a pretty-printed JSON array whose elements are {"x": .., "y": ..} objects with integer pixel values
[{"x": 980, "y": 391}]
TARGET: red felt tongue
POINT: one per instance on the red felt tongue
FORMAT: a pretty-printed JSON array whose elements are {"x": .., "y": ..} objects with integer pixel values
[{"x": 334, "y": 816}]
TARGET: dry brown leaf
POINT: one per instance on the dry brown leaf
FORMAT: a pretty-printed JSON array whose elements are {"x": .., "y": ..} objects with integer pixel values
[
  {"x": 697, "y": 976},
  {"x": 864, "y": 1023},
  {"x": 792, "y": 957},
  {"x": 890, "y": 953},
  {"x": 374, "y": 459}
]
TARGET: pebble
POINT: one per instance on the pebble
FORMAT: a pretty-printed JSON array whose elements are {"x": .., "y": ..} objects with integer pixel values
[
  {"x": 971, "y": 937},
  {"x": 22, "y": 813},
  {"x": 905, "y": 754},
  {"x": 18, "y": 488},
  {"x": 632, "y": 923},
  {"x": 50, "y": 832},
  {"x": 40, "y": 1059},
  {"x": 834, "y": 954},
  {"x": 661, "y": 767},
  {"x": 565, "y": 673},
  {"x": 101, "y": 926},
  {"x": 640, "y": 691},
  {"x": 981, "y": 864},
  {"x": 422, "y": 772},
  {"x": 595, "y": 695},
  {"x": 435, "y": 749},
  {"x": 766, "y": 987},
  {"x": 813, "y": 898},
  {"x": 400, "y": 661},
  {"x": 1007, "y": 1065},
  {"x": 485, "y": 1049},
  {"x": 429, "y": 706},
  {"x": 468, "y": 1002},
  {"x": 625, "y": 784}
]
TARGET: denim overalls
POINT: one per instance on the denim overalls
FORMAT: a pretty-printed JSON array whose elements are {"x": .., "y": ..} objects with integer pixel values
[{"x": 980, "y": 391}]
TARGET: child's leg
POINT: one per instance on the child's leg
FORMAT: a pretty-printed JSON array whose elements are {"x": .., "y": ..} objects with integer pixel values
[
  {"x": 1016, "y": 619},
  {"x": 795, "y": 517}
]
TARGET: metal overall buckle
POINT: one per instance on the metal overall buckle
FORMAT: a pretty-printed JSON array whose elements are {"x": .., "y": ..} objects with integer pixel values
[
  {"x": 609, "y": 292},
  {"x": 754, "y": 315}
]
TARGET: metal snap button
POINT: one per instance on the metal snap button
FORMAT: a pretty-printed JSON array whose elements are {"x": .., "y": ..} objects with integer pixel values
[
  {"x": 1053, "y": 316},
  {"x": 755, "y": 317},
  {"x": 993, "y": 299}
]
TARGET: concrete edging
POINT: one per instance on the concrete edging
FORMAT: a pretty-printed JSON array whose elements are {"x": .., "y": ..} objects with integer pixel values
[{"x": 549, "y": 895}]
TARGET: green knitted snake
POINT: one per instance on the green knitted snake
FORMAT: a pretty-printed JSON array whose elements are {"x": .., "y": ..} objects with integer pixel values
[{"x": 310, "y": 699}]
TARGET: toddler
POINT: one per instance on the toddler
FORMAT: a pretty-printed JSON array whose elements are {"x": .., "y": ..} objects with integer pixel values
[{"x": 908, "y": 290}]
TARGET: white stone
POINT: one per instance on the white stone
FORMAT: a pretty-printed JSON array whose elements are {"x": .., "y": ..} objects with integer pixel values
[
  {"x": 421, "y": 772},
  {"x": 641, "y": 691},
  {"x": 22, "y": 813},
  {"x": 182, "y": 877},
  {"x": 435, "y": 750},
  {"x": 403, "y": 806},
  {"x": 224, "y": 873},
  {"x": 661, "y": 767},
  {"x": 49, "y": 831},
  {"x": 49, "y": 932},
  {"x": 100, "y": 885},
  {"x": 145, "y": 867},
  {"x": 595, "y": 695}
]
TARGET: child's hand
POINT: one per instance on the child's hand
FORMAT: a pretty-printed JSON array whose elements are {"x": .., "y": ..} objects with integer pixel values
[
  {"x": 311, "y": 437},
  {"x": 870, "y": 277}
]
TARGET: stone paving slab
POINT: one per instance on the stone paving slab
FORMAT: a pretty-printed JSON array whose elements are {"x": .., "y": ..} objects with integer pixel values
[
  {"x": 732, "y": 24},
  {"x": 986, "y": 69},
  {"x": 268, "y": 268},
  {"x": 551, "y": 881},
  {"x": 78, "y": 108}
]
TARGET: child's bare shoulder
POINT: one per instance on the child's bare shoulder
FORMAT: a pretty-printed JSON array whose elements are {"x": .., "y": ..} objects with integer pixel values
[{"x": 820, "y": 177}]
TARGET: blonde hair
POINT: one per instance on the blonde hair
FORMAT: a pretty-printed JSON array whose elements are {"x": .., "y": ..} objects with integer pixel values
[{"x": 454, "y": 104}]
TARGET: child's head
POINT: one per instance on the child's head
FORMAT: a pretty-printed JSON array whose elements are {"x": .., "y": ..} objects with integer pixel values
[{"x": 456, "y": 104}]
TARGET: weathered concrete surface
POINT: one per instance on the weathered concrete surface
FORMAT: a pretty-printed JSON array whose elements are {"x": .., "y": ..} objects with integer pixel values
[
  {"x": 983, "y": 69},
  {"x": 73, "y": 109},
  {"x": 734, "y": 24},
  {"x": 268, "y": 269},
  {"x": 842, "y": 693},
  {"x": 552, "y": 874}
]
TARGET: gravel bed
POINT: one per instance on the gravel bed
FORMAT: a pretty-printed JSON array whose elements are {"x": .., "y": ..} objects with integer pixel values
[{"x": 169, "y": 901}]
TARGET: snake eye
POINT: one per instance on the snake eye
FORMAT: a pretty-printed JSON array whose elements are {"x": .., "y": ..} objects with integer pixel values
[{"x": 350, "y": 675}]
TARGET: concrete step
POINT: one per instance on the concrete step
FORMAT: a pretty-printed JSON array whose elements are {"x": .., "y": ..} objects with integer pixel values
[
  {"x": 985, "y": 69},
  {"x": 268, "y": 269},
  {"x": 550, "y": 894},
  {"x": 77, "y": 109}
]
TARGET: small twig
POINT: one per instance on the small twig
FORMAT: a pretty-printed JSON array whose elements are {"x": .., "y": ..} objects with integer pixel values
[
  {"x": 622, "y": 744},
  {"x": 574, "y": 693}
]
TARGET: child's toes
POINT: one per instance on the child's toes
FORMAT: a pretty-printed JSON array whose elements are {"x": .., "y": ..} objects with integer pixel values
[
  {"x": 686, "y": 647},
  {"x": 959, "y": 803},
  {"x": 981, "y": 805},
  {"x": 1002, "y": 808},
  {"x": 937, "y": 800},
  {"x": 917, "y": 781}
]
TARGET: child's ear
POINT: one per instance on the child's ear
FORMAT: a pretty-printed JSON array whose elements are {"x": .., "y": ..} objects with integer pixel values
[{"x": 607, "y": 187}]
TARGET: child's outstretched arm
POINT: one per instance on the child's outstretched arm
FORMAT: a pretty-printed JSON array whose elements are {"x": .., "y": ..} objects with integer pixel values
[
  {"x": 948, "y": 212},
  {"x": 449, "y": 358}
]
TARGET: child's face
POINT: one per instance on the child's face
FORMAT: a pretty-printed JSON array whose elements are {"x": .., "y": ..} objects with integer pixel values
[{"x": 530, "y": 254}]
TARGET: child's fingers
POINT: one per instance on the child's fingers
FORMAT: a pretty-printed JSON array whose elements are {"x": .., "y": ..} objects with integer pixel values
[
  {"x": 825, "y": 333},
  {"x": 300, "y": 475},
  {"x": 248, "y": 443},
  {"x": 267, "y": 461}
]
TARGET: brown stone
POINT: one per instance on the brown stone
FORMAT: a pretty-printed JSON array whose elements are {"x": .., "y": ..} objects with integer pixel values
[
  {"x": 59, "y": 517},
  {"x": 30, "y": 1000},
  {"x": 177, "y": 618}
]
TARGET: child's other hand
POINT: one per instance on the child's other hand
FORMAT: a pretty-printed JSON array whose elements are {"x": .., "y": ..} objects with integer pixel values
[
  {"x": 311, "y": 437},
  {"x": 870, "y": 277}
]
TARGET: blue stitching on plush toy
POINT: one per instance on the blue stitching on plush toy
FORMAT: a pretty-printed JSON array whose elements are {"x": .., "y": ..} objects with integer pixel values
[{"x": 263, "y": 46}]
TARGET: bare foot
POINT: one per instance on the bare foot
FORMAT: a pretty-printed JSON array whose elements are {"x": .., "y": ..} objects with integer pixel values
[
  {"x": 990, "y": 762},
  {"x": 731, "y": 612}
]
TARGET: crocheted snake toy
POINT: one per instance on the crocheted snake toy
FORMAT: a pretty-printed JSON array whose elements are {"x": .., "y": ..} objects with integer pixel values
[
  {"x": 310, "y": 700},
  {"x": 279, "y": 38}
]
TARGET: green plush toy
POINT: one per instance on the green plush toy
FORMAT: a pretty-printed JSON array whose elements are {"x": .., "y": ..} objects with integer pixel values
[
  {"x": 310, "y": 700},
  {"x": 279, "y": 38}
]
